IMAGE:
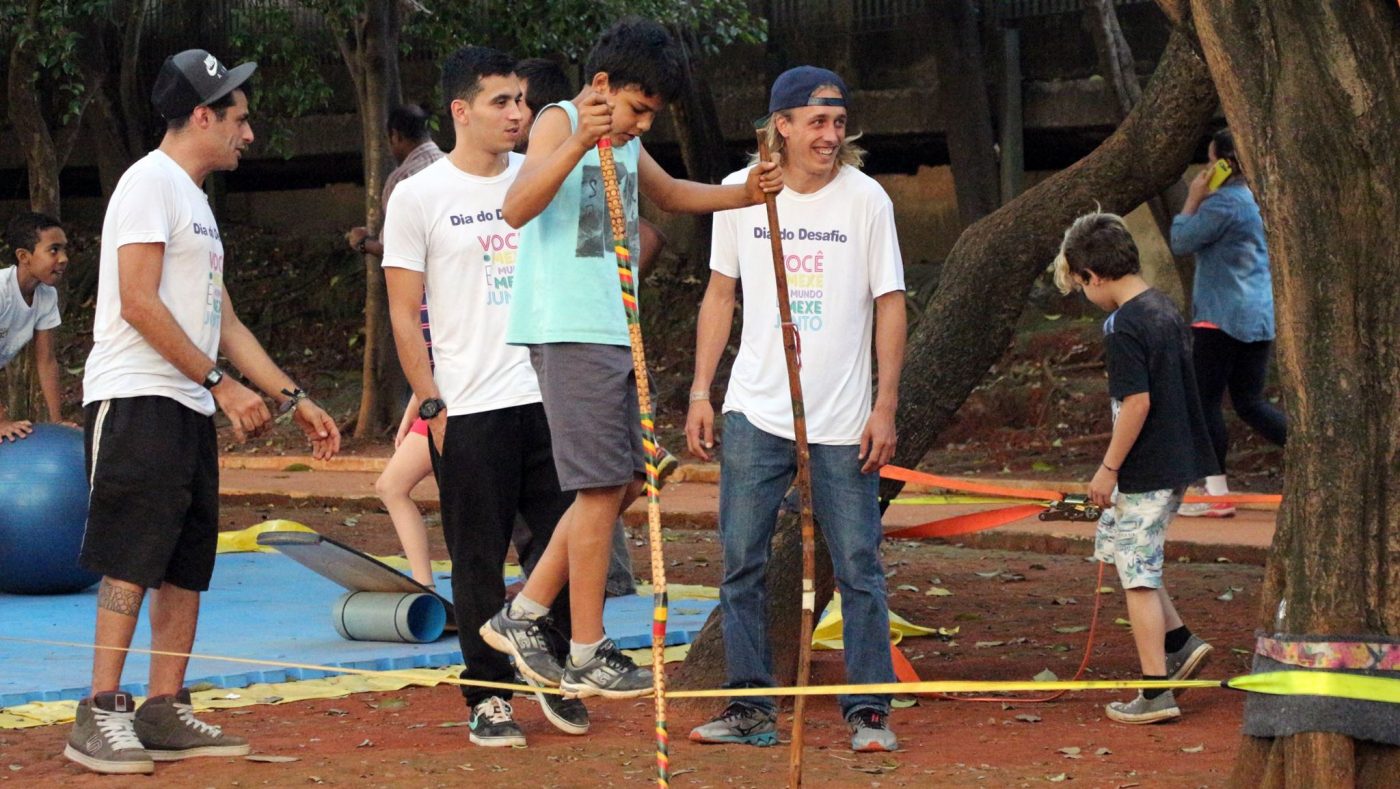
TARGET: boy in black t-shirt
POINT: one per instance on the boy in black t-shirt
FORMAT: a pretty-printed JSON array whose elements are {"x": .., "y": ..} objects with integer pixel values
[{"x": 1159, "y": 445}]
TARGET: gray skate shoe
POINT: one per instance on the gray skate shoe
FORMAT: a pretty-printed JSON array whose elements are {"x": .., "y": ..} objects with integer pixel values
[
  {"x": 1186, "y": 662},
  {"x": 1143, "y": 709},
  {"x": 609, "y": 674},
  {"x": 103, "y": 739},
  {"x": 170, "y": 732},
  {"x": 740, "y": 724}
]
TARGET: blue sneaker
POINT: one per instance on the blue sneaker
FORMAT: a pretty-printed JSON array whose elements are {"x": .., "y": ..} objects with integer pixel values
[{"x": 740, "y": 724}]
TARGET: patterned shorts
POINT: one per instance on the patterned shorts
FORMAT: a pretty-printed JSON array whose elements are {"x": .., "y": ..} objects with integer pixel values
[{"x": 1132, "y": 534}]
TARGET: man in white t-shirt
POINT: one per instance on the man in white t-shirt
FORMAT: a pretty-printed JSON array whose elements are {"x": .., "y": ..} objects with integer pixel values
[
  {"x": 150, "y": 390},
  {"x": 29, "y": 308},
  {"x": 490, "y": 441},
  {"x": 846, "y": 286}
]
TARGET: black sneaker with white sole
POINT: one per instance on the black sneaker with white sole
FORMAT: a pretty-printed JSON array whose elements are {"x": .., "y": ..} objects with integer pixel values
[
  {"x": 526, "y": 640},
  {"x": 493, "y": 724},
  {"x": 568, "y": 715},
  {"x": 609, "y": 674}
]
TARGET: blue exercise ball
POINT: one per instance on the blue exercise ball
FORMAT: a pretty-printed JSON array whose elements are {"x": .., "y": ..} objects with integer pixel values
[{"x": 43, "y": 512}]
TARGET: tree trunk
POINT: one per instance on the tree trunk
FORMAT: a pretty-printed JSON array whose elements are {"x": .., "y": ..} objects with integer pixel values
[
  {"x": 374, "y": 70},
  {"x": 704, "y": 666},
  {"x": 963, "y": 105},
  {"x": 1325, "y": 171},
  {"x": 701, "y": 141},
  {"x": 32, "y": 132},
  {"x": 971, "y": 318},
  {"x": 1119, "y": 71}
]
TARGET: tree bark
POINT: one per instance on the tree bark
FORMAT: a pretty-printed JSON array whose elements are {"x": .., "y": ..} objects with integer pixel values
[
  {"x": 701, "y": 141},
  {"x": 373, "y": 64},
  {"x": 971, "y": 318},
  {"x": 1119, "y": 71},
  {"x": 1324, "y": 170},
  {"x": 963, "y": 104}
]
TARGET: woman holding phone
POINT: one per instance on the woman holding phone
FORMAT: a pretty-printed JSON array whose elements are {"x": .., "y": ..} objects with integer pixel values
[{"x": 1232, "y": 304}]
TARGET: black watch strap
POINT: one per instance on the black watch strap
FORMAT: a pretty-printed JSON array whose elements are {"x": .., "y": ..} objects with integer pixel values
[
  {"x": 213, "y": 378},
  {"x": 431, "y": 407}
]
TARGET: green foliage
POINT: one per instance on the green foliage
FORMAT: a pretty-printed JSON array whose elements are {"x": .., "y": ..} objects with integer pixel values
[
  {"x": 290, "y": 83},
  {"x": 568, "y": 28},
  {"x": 51, "y": 41}
]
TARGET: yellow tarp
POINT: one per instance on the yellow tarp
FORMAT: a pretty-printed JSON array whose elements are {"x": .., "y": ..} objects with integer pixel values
[{"x": 829, "y": 631}]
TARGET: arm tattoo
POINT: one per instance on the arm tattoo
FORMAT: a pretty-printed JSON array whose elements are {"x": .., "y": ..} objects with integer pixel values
[{"x": 119, "y": 600}]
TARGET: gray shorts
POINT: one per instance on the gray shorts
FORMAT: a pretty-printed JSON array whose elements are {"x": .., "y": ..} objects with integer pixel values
[{"x": 590, "y": 399}]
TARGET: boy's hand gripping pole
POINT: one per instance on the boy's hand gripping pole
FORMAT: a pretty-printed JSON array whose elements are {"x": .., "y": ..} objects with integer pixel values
[
  {"x": 791, "y": 351},
  {"x": 618, "y": 220}
]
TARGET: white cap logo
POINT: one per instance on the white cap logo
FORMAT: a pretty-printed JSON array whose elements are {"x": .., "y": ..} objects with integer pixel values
[{"x": 211, "y": 65}]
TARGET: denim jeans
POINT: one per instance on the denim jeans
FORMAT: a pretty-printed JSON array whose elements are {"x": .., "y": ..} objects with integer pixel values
[{"x": 756, "y": 471}]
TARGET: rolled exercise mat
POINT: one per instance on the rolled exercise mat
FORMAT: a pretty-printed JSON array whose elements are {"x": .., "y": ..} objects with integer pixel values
[{"x": 388, "y": 616}]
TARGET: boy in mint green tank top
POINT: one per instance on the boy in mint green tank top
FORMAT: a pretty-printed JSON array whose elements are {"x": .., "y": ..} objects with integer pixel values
[{"x": 566, "y": 305}]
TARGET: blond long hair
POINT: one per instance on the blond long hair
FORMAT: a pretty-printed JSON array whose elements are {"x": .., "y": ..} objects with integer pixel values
[{"x": 848, "y": 152}]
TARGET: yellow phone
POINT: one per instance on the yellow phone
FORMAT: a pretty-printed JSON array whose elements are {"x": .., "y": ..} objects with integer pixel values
[{"x": 1219, "y": 173}]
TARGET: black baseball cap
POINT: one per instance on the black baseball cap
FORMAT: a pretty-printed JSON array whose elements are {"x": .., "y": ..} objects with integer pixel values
[
  {"x": 794, "y": 88},
  {"x": 192, "y": 79}
]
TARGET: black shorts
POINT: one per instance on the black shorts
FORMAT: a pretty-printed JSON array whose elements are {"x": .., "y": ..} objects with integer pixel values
[{"x": 153, "y": 515}]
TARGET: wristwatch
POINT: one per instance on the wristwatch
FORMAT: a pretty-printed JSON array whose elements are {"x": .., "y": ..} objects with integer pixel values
[
  {"x": 294, "y": 395},
  {"x": 431, "y": 407},
  {"x": 213, "y": 378}
]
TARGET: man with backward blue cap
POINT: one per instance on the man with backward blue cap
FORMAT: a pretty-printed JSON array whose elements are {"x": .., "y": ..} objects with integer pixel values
[{"x": 845, "y": 282}]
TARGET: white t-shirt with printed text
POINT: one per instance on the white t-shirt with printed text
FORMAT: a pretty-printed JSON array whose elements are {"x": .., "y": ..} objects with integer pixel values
[
  {"x": 18, "y": 320},
  {"x": 447, "y": 224},
  {"x": 840, "y": 253},
  {"x": 156, "y": 202}
]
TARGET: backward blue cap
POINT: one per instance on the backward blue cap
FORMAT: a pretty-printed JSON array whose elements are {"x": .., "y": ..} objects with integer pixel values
[{"x": 794, "y": 88}]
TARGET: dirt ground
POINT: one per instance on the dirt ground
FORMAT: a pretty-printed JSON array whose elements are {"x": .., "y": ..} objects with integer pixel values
[{"x": 1012, "y": 611}]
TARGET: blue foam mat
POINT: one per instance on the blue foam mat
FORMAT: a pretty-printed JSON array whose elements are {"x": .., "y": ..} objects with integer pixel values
[{"x": 262, "y": 606}]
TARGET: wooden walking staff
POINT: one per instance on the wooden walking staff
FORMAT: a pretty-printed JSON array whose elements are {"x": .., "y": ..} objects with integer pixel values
[
  {"x": 792, "y": 351},
  {"x": 618, "y": 220}
]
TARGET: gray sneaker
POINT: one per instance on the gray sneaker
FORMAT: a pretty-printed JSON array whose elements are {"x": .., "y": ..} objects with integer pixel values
[
  {"x": 1186, "y": 662},
  {"x": 527, "y": 641},
  {"x": 1144, "y": 710},
  {"x": 169, "y": 731},
  {"x": 609, "y": 674},
  {"x": 870, "y": 731},
  {"x": 103, "y": 739},
  {"x": 741, "y": 724}
]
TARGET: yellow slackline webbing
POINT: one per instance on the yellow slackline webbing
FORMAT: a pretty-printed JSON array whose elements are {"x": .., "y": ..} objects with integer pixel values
[
  {"x": 1282, "y": 683},
  {"x": 1320, "y": 683}
]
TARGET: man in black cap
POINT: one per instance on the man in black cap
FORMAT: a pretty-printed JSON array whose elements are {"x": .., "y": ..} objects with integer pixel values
[
  {"x": 845, "y": 283},
  {"x": 150, "y": 389}
]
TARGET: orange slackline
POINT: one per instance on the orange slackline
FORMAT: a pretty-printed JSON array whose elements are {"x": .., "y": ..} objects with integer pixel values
[{"x": 966, "y": 524}]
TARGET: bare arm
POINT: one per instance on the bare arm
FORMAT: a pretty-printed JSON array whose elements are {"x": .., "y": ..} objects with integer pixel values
[
  {"x": 139, "y": 269},
  {"x": 405, "y": 301},
  {"x": 1132, "y": 415},
  {"x": 676, "y": 195},
  {"x": 554, "y": 151},
  {"x": 711, "y": 335},
  {"x": 879, "y": 439},
  {"x": 47, "y": 368}
]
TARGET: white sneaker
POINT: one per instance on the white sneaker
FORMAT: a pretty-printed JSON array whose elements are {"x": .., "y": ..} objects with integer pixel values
[{"x": 1207, "y": 509}]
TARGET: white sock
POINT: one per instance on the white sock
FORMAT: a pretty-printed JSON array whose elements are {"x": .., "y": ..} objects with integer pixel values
[
  {"x": 523, "y": 607},
  {"x": 1215, "y": 485},
  {"x": 582, "y": 653}
]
